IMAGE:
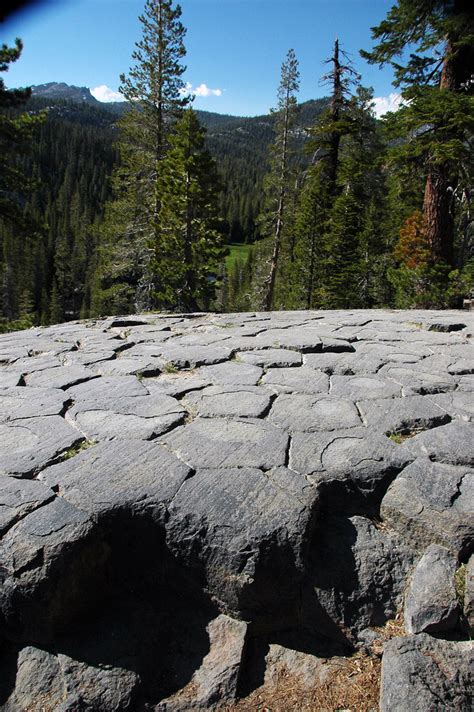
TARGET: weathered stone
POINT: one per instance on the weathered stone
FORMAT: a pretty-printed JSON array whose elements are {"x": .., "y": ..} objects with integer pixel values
[
  {"x": 20, "y": 497},
  {"x": 451, "y": 444},
  {"x": 431, "y": 605},
  {"x": 269, "y": 358},
  {"x": 402, "y": 415},
  {"x": 430, "y": 502},
  {"x": 125, "y": 366},
  {"x": 296, "y": 380},
  {"x": 63, "y": 684},
  {"x": 305, "y": 413},
  {"x": 20, "y": 403},
  {"x": 223, "y": 442},
  {"x": 142, "y": 417},
  {"x": 305, "y": 339},
  {"x": 60, "y": 377},
  {"x": 458, "y": 405},
  {"x": 133, "y": 475},
  {"x": 10, "y": 378},
  {"x": 416, "y": 380},
  {"x": 221, "y": 401},
  {"x": 359, "y": 572},
  {"x": 120, "y": 565},
  {"x": 107, "y": 389},
  {"x": 216, "y": 681},
  {"x": 192, "y": 356},
  {"x": 363, "y": 387},
  {"x": 243, "y": 528},
  {"x": 27, "y": 446},
  {"x": 352, "y": 468},
  {"x": 434, "y": 675},
  {"x": 232, "y": 373}
]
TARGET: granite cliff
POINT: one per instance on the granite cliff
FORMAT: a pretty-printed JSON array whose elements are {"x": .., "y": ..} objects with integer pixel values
[{"x": 191, "y": 503}]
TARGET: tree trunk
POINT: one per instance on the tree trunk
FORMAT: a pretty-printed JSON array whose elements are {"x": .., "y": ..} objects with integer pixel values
[{"x": 439, "y": 220}]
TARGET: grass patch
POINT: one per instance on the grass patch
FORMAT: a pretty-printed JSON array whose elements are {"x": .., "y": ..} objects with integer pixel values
[
  {"x": 76, "y": 449},
  {"x": 170, "y": 368},
  {"x": 460, "y": 583},
  {"x": 237, "y": 251}
]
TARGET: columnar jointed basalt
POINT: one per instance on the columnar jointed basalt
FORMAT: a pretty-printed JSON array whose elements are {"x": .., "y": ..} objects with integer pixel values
[{"x": 186, "y": 498}]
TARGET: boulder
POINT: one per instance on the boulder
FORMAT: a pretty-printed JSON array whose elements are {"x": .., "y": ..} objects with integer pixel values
[
  {"x": 431, "y": 605},
  {"x": 434, "y": 675}
]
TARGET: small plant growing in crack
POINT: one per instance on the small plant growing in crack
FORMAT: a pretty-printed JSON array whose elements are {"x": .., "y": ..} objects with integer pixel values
[
  {"x": 460, "y": 583},
  {"x": 170, "y": 368},
  {"x": 76, "y": 449}
]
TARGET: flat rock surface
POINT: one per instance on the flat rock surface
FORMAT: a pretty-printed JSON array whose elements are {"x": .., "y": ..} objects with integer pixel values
[{"x": 201, "y": 487}]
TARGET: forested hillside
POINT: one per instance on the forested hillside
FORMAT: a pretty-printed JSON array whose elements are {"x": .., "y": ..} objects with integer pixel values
[{"x": 47, "y": 273}]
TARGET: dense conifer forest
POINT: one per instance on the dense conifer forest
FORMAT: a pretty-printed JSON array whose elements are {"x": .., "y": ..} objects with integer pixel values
[{"x": 339, "y": 209}]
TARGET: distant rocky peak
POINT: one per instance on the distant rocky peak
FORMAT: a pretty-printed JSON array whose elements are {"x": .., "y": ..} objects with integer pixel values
[{"x": 61, "y": 90}]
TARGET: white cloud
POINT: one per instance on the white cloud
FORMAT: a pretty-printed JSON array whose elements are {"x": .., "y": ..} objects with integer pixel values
[
  {"x": 383, "y": 104},
  {"x": 201, "y": 90},
  {"x": 104, "y": 93}
]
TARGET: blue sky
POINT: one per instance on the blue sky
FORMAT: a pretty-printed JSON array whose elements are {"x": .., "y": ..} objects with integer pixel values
[{"x": 234, "y": 47}]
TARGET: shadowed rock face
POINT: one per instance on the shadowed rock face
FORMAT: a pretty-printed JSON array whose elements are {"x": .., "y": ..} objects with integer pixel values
[{"x": 181, "y": 494}]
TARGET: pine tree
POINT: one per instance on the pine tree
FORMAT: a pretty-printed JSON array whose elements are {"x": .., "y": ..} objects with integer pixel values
[
  {"x": 439, "y": 116},
  {"x": 188, "y": 252},
  {"x": 155, "y": 92},
  {"x": 277, "y": 184},
  {"x": 314, "y": 258}
]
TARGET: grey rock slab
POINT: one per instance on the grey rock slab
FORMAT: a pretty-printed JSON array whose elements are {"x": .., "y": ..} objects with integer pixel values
[
  {"x": 296, "y": 380},
  {"x": 458, "y": 405},
  {"x": 45, "y": 578},
  {"x": 125, "y": 366},
  {"x": 359, "y": 572},
  {"x": 452, "y": 443},
  {"x": 303, "y": 339},
  {"x": 33, "y": 364},
  {"x": 87, "y": 358},
  {"x": 418, "y": 380},
  {"x": 435, "y": 675},
  {"x": 268, "y": 358},
  {"x": 343, "y": 364},
  {"x": 27, "y": 446},
  {"x": 216, "y": 681},
  {"x": 431, "y": 605},
  {"x": 430, "y": 502},
  {"x": 20, "y": 497},
  {"x": 61, "y": 377},
  {"x": 22, "y": 403},
  {"x": 142, "y": 417},
  {"x": 222, "y": 442},
  {"x": 352, "y": 468},
  {"x": 246, "y": 531},
  {"x": 222, "y": 401},
  {"x": 108, "y": 425},
  {"x": 299, "y": 412},
  {"x": 401, "y": 415},
  {"x": 231, "y": 373},
  {"x": 10, "y": 378},
  {"x": 108, "y": 388},
  {"x": 466, "y": 383},
  {"x": 176, "y": 384},
  {"x": 363, "y": 387},
  {"x": 133, "y": 475},
  {"x": 218, "y": 676},
  {"x": 193, "y": 356}
]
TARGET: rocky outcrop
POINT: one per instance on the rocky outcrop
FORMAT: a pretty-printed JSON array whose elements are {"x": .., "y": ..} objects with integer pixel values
[{"x": 191, "y": 503}]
